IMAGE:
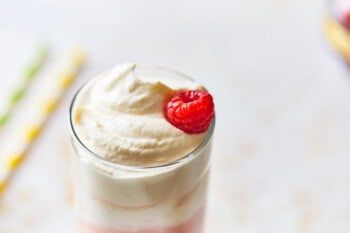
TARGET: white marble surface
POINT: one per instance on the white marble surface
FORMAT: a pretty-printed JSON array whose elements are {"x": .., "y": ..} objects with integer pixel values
[{"x": 282, "y": 152}]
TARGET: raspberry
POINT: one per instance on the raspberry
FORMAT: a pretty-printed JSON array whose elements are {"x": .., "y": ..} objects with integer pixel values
[{"x": 191, "y": 111}]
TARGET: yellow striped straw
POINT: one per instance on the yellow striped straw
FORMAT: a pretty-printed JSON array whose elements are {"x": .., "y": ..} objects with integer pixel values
[
  {"x": 65, "y": 77},
  {"x": 31, "y": 70}
]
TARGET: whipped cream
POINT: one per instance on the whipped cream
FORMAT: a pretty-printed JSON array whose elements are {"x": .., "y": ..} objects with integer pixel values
[{"x": 119, "y": 116}]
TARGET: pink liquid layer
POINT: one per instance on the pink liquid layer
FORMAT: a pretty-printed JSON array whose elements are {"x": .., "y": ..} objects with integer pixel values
[{"x": 194, "y": 225}]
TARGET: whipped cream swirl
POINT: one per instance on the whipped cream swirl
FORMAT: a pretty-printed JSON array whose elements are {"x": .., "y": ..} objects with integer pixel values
[{"x": 119, "y": 116}]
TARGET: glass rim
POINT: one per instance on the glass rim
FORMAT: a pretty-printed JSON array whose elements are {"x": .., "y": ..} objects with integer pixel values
[{"x": 184, "y": 159}]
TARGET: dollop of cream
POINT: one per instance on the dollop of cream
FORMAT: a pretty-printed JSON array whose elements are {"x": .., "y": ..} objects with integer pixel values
[{"x": 119, "y": 117}]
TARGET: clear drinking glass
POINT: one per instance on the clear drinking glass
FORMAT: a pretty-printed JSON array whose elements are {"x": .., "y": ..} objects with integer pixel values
[{"x": 115, "y": 198}]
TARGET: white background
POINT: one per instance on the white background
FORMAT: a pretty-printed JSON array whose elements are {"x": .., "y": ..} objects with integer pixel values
[{"x": 281, "y": 151}]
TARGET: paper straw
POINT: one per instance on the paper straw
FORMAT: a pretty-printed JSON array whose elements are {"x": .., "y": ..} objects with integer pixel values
[
  {"x": 48, "y": 103},
  {"x": 31, "y": 70}
]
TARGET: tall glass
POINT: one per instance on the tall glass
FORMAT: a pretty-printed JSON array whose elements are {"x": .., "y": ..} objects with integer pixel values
[{"x": 115, "y": 198}]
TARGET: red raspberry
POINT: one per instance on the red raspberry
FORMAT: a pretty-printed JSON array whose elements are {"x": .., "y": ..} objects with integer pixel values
[{"x": 190, "y": 110}]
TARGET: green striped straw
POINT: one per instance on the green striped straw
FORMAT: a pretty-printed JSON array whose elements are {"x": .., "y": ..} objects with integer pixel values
[
  {"x": 31, "y": 70},
  {"x": 10, "y": 163}
]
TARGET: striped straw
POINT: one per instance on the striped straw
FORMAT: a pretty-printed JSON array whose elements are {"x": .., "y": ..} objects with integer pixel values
[
  {"x": 31, "y": 70},
  {"x": 66, "y": 76}
]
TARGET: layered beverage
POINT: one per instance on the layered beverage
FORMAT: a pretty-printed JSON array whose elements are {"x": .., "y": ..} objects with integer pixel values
[{"x": 142, "y": 139}]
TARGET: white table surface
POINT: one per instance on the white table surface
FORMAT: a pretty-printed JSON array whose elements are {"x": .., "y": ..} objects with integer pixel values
[{"x": 281, "y": 151}]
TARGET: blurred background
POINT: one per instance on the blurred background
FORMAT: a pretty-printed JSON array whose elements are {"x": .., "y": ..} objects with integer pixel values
[{"x": 281, "y": 150}]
